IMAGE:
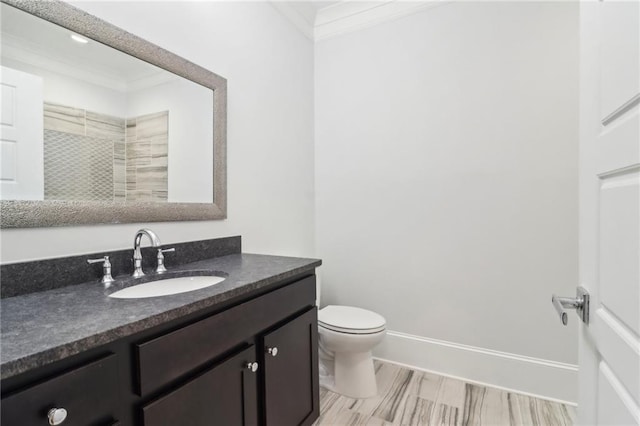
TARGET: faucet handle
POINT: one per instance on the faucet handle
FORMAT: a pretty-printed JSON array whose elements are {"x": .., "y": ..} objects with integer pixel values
[
  {"x": 161, "y": 268},
  {"x": 106, "y": 269}
]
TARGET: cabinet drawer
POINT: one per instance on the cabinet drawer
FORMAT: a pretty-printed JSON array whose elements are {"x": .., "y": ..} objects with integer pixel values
[
  {"x": 88, "y": 393},
  {"x": 175, "y": 354},
  {"x": 223, "y": 395}
]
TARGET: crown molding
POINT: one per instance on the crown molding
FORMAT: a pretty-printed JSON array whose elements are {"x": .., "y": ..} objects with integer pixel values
[
  {"x": 298, "y": 15},
  {"x": 347, "y": 16}
]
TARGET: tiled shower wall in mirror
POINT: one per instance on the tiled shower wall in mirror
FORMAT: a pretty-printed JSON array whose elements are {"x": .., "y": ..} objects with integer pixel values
[
  {"x": 91, "y": 156},
  {"x": 147, "y": 157}
]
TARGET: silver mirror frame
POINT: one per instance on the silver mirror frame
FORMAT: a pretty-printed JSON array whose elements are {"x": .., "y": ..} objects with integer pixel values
[{"x": 48, "y": 213}]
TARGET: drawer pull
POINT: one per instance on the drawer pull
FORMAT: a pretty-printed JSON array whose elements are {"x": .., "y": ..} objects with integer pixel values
[
  {"x": 57, "y": 416},
  {"x": 272, "y": 351},
  {"x": 252, "y": 366}
]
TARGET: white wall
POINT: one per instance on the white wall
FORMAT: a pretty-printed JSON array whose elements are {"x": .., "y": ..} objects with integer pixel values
[
  {"x": 190, "y": 107},
  {"x": 70, "y": 91},
  {"x": 446, "y": 187},
  {"x": 269, "y": 67}
]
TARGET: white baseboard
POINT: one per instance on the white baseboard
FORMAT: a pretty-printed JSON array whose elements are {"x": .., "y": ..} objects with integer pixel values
[{"x": 532, "y": 376}]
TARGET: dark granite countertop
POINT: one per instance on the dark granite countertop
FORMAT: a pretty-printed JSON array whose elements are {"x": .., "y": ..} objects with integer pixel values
[{"x": 41, "y": 328}]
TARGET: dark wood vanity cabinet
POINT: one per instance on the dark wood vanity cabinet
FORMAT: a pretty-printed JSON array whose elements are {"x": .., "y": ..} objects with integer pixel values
[
  {"x": 271, "y": 379},
  {"x": 252, "y": 363},
  {"x": 283, "y": 381}
]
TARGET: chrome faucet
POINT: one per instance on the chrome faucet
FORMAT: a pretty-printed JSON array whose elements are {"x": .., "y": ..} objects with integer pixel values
[{"x": 137, "y": 254}]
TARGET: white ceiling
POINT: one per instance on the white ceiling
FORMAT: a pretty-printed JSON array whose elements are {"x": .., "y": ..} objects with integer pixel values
[
  {"x": 319, "y": 19},
  {"x": 30, "y": 40}
]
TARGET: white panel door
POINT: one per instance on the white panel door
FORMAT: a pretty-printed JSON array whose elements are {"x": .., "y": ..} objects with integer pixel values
[
  {"x": 609, "y": 391},
  {"x": 21, "y": 136}
]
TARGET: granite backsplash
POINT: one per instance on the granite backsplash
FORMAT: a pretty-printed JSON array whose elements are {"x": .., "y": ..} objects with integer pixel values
[{"x": 40, "y": 275}]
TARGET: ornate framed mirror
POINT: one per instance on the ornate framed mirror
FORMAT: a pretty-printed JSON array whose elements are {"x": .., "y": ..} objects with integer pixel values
[{"x": 101, "y": 126}]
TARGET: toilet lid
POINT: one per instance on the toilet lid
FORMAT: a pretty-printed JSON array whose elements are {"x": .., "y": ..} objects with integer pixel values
[{"x": 347, "y": 319}]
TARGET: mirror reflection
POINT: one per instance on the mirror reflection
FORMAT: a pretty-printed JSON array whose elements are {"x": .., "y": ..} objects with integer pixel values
[{"x": 83, "y": 121}]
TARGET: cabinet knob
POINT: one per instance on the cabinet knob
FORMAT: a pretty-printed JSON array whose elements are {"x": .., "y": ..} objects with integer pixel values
[
  {"x": 252, "y": 366},
  {"x": 272, "y": 351},
  {"x": 57, "y": 416}
]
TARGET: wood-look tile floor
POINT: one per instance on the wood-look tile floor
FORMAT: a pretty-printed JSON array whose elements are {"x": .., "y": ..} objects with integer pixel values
[{"x": 410, "y": 397}]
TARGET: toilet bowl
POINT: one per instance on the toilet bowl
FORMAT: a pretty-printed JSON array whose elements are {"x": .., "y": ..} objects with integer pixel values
[{"x": 347, "y": 336}]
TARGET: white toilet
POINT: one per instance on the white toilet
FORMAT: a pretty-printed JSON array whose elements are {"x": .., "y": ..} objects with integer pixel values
[{"x": 347, "y": 335}]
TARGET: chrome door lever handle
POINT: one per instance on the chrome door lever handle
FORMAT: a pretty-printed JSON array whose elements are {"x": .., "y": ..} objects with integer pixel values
[{"x": 580, "y": 303}]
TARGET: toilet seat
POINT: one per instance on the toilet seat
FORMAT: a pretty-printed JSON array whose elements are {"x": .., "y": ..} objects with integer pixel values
[{"x": 350, "y": 320}]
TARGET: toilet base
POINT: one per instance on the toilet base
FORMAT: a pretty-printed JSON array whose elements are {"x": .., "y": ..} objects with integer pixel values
[{"x": 355, "y": 375}]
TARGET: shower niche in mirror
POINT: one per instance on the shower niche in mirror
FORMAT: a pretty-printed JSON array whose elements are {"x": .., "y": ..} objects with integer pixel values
[{"x": 100, "y": 126}]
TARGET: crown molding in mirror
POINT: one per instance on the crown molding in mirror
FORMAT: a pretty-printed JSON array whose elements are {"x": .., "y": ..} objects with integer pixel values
[{"x": 28, "y": 214}]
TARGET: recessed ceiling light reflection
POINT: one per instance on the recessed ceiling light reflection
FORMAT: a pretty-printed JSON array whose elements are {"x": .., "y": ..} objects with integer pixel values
[{"x": 79, "y": 39}]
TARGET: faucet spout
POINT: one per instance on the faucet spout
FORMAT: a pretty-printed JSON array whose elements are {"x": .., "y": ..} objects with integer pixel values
[
  {"x": 155, "y": 241},
  {"x": 137, "y": 254}
]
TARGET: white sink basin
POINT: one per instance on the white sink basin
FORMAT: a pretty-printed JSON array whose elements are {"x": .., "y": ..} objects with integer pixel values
[{"x": 166, "y": 287}]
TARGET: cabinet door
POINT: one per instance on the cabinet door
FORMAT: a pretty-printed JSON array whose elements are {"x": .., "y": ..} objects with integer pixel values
[
  {"x": 224, "y": 395},
  {"x": 291, "y": 376}
]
